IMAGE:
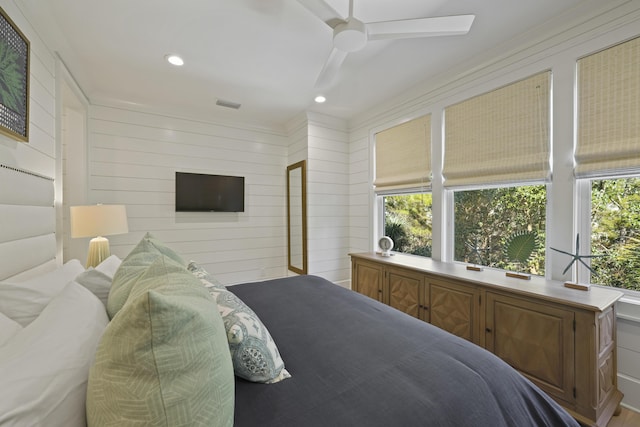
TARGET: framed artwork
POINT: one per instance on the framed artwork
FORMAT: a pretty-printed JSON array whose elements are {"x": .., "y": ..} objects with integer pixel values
[{"x": 14, "y": 80}]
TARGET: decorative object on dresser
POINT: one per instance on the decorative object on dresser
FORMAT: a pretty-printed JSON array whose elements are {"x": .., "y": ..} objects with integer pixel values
[
  {"x": 519, "y": 247},
  {"x": 577, "y": 257},
  {"x": 562, "y": 340},
  {"x": 386, "y": 244},
  {"x": 476, "y": 250},
  {"x": 97, "y": 221},
  {"x": 14, "y": 80}
]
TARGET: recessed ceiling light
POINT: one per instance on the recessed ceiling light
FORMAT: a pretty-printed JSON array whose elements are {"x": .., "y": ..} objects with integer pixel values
[
  {"x": 320, "y": 99},
  {"x": 174, "y": 60}
]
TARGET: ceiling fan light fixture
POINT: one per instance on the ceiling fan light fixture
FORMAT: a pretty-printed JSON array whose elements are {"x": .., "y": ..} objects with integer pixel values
[{"x": 350, "y": 36}]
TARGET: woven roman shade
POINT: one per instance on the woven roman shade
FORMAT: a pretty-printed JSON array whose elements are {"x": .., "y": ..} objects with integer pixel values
[
  {"x": 501, "y": 136},
  {"x": 608, "y": 139},
  {"x": 403, "y": 156}
]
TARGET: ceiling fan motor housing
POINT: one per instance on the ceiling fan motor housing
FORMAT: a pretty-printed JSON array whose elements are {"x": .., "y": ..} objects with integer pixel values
[{"x": 350, "y": 36}]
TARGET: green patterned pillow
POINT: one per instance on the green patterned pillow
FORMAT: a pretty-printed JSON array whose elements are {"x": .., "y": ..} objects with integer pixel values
[
  {"x": 163, "y": 360},
  {"x": 254, "y": 353},
  {"x": 145, "y": 253}
]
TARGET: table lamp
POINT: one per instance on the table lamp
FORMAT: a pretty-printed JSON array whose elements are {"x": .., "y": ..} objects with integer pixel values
[{"x": 97, "y": 221}]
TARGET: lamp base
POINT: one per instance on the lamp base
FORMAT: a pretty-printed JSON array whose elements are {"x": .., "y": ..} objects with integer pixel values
[{"x": 98, "y": 251}]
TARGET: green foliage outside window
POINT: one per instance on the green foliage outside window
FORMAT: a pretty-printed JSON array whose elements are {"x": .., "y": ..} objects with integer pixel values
[
  {"x": 487, "y": 220},
  {"x": 407, "y": 221},
  {"x": 615, "y": 232}
]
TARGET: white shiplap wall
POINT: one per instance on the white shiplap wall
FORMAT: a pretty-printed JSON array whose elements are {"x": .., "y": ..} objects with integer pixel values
[
  {"x": 628, "y": 339},
  {"x": 323, "y": 142},
  {"x": 133, "y": 157},
  {"x": 298, "y": 136},
  {"x": 361, "y": 231},
  {"x": 328, "y": 198}
]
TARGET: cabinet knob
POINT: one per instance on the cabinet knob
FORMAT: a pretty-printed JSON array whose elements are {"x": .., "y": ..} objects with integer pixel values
[{"x": 488, "y": 330}]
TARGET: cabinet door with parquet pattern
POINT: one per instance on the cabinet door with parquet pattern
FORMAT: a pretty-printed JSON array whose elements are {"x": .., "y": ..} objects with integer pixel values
[
  {"x": 454, "y": 307},
  {"x": 405, "y": 291},
  {"x": 536, "y": 339},
  {"x": 367, "y": 280}
]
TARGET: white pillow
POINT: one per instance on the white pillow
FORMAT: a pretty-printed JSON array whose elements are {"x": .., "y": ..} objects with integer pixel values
[
  {"x": 44, "y": 368},
  {"x": 8, "y": 328},
  {"x": 98, "y": 280},
  {"x": 24, "y": 301},
  {"x": 109, "y": 266}
]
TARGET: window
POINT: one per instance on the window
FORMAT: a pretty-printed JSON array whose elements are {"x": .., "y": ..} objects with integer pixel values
[
  {"x": 500, "y": 138},
  {"x": 608, "y": 159},
  {"x": 615, "y": 232},
  {"x": 407, "y": 221},
  {"x": 488, "y": 221},
  {"x": 402, "y": 182}
]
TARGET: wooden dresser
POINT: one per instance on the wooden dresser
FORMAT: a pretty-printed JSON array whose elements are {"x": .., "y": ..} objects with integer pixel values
[{"x": 562, "y": 339}]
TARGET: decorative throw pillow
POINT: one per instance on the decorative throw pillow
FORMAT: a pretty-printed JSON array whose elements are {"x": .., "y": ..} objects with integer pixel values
[
  {"x": 163, "y": 359},
  {"x": 143, "y": 255},
  {"x": 8, "y": 328},
  {"x": 98, "y": 280},
  {"x": 24, "y": 301},
  {"x": 208, "y": 280},
  {"x": 44, "y": 367},
  {"x": 254, "y": 353}
]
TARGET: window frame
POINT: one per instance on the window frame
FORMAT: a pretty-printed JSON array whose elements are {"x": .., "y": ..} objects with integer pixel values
[
  {"x": 450, "y": 212},
  {"x": 379, "y": 230},
  {"x": 583, "y": 222}
]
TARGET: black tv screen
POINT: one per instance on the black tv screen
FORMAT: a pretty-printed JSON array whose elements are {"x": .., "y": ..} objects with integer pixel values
[{"x": 196, "y": 192}]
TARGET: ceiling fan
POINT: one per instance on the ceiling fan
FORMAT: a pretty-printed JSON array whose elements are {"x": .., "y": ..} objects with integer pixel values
[{"x": 350, "y": 34}]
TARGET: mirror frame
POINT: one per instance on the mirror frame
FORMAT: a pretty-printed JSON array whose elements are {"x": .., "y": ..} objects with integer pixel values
[{"x": 301, "y": 165}]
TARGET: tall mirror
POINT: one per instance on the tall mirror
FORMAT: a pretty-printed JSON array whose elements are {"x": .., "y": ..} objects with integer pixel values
[{"x": 297, "y": 217}]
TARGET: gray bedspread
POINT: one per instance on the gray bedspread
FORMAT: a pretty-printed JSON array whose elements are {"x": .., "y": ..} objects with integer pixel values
[{"x": 357, "y": 362}]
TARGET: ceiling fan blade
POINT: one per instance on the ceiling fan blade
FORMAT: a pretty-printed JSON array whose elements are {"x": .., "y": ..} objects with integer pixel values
[
  {"x": 324, "y": 11},
  {"x": 422, "y": 27},
  {"x": 331, "y": 67}
]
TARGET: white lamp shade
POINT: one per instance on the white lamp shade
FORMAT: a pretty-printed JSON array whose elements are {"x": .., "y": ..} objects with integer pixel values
[{"x": 98, "y": 220}]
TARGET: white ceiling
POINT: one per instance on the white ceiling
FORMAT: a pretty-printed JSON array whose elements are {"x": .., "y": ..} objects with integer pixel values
[{"x": 266, "y": 54}]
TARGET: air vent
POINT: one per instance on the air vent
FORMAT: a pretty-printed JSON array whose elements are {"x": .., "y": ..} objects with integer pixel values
[{"x": 227, "y": 104}]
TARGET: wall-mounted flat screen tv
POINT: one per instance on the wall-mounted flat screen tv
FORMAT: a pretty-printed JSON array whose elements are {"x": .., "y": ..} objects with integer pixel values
[{"x": 196, "y": 192}]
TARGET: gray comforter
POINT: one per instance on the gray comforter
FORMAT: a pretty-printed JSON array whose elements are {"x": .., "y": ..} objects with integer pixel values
[{"x": 357, "y": 362}]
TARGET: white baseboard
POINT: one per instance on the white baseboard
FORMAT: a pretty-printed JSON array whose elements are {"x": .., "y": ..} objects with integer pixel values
[
  {"x": 631, "y": 389},
  {"x": 344, "y": 283}
]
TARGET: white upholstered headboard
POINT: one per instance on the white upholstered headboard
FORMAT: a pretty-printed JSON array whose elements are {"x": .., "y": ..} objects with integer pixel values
[{"x": 27, "y": 222}]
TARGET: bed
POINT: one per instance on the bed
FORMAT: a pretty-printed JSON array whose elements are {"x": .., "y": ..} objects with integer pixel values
[
  {"x": 154, "y": 340},
  {"x": 354, "y": 361}
]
